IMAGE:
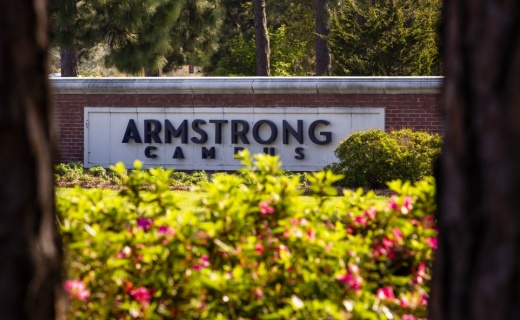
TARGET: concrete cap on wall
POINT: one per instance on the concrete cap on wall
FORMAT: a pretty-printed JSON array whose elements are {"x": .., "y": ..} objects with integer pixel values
[{"x": 249, "y": 85}]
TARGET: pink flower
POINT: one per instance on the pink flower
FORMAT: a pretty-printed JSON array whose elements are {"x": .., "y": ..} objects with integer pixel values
[
  {"x": 360, "y": 220},
  {"x": 384, "y": 249},
  {"x": 393, "y": 203},
  {"x": 76, "y": 289},
  {"x": 354, "y": 269},
  {"x": 259, "y": 248},
  {"x": 371, "y": 213},
  {"x": 351, "y": 278},
  {"x": 311, "y": 234},
  {"x": 407, "y": 203},
  {"x": 397, "y": 234},
  {"x": 387, "y": 243},
  {"x": 144, "y": 223},
  {"x": 386, "y": 293},
  {"x": 141, "y": 295},
  {"x": 204, "y": 262},
  {"x": 259, "y": 293},
  {"x": 405, "y": 208},
  {"x": 424, "y": 300},
  {"x": 432, "y": 242},
  {"x": 413, "y": 300},
  {"x": 125, "y": 253},
  {"x": 408, "y": 317},
  {"x": 429, "y": 222},
  {"x": 163, "y": 230},
  {"x": 404, "y": 302},
  {"x": 343, "y": 278},
  {"x": 265, "y": 207},
  {"x": 420, "y": 273}
]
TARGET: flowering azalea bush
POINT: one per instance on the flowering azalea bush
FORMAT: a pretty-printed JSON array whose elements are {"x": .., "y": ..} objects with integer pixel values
[{"x": 253, "y": 251}]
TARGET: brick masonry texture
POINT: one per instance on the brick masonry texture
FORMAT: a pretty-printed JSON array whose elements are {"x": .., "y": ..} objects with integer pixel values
[{"x": 419, "y": 112}]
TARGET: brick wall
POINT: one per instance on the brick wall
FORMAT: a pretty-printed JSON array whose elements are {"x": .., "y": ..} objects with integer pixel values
[{"x": 418, "y": 111}]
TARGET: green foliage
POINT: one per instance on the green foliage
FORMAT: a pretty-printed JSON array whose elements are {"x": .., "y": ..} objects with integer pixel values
[
  {"x": 195, "y": 34},
  {"x": 149, "y": 35},
  {"x": 386, "y": 38},
  {"x": 69, "y": 171},
  {"x": 73, "y": 24},
  {"x": 287, "y": 56},
  {"x": 254, "y": 250},
  {"x": 240, "y": 59},
  {"x": 370, "y": 159},
  {"x": 139, "y": 33},
  {"x": 185, "y": 179},
  {"x": 97, "y": 171}
]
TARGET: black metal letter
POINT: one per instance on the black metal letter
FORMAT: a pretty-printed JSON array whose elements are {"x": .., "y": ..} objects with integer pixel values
[
  {"x": 178, "y": 154},
  {"x": 235, "y": 133},
  {"x": 151, "y": 131},
  {"x": 256, "y": 132},
  {"x": 218, "y": 129},
  {"x": 269, "y": 151},
  {"x": 148, "y": 152},
  {"x": 298, "y": 135},
  {"x": 203, "y": 135},
  {"x": 131, "y": 132},
  {"x": 169, "y": 131},
  {"x": 312, "y": 134},
  {"x": 208, "y": 153},
  {"x": 299, "y": 152}
]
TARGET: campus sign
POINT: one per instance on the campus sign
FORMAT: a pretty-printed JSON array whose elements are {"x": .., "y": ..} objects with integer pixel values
[{"x": 209, "y": 138}]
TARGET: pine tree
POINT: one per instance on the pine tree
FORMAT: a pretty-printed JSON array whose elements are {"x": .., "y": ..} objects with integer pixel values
[
  {"x": 196, "y": 34},
  {"x": 75, "y": 31},
  {"x": 139, "y": 33},
  {"x": 386, "y": 38}
]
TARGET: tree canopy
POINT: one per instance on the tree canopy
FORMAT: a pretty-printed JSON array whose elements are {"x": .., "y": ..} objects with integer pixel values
[
  {"x": 386, "y": 38},
  {"x": 367, "y": 37},
  {"x": 149, "y": 35}
]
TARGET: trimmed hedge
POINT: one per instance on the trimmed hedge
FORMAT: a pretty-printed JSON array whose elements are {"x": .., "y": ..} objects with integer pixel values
[
  {"x": 254, "y": 251},
  {"x": 370, "y": 159}
]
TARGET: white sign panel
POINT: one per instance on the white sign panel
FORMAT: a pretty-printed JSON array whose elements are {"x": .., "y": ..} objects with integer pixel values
[{"x": 209, "y": 138}]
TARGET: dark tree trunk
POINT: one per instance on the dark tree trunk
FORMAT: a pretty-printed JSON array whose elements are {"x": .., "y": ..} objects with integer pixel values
[
  {"x": 323, "y": 59},
  {"x": 30, "y": 263},
  {"x": 261, "y": 38},
  {"x": 476, "y": 272},
  {"x": 69, "y": 62}
]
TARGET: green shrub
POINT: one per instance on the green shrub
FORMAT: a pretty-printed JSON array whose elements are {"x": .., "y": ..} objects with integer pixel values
[
  {"x": 69, "y": 171},
  {"x": 370, "y": 159},
  {"x": 97, "y": 171},
  {"x": 255, "y": 251},
  {"x": 198, "y": 177},
  {"x": 60, "y": 169},
  {"x": 188, "y": 179}
]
